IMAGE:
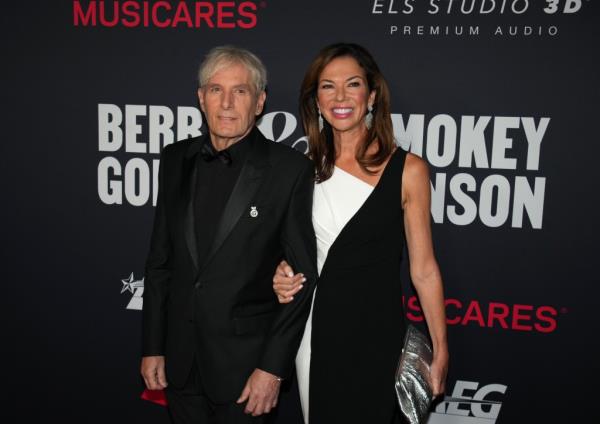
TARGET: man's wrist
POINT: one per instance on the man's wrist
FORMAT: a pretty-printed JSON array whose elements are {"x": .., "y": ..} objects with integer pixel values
[{"x": 275, "y": 376}]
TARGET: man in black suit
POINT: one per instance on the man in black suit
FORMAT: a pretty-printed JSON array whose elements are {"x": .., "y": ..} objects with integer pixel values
[{"x": 231, "y": 205}]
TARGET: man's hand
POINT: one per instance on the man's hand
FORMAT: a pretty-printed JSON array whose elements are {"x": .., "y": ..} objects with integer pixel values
[
  {"x": 261, "y": 392},
  {"x": 153, "y": 371},
  {"x": 286, "y": 284}
]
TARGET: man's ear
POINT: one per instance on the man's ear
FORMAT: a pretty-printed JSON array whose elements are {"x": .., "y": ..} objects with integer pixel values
[
  {"x": 260, "y": 102},
  {"x": 201, "y": 99}
]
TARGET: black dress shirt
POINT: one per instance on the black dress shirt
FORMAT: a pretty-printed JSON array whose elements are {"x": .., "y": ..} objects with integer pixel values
[{"x": 215, "y": 182}]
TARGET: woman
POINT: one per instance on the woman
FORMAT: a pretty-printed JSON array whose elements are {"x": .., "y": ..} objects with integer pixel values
[{"x": 369, "y": 196}]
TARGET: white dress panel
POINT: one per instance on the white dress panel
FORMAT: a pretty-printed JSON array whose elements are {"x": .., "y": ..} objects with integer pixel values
[{"x": 335, "y": 202}]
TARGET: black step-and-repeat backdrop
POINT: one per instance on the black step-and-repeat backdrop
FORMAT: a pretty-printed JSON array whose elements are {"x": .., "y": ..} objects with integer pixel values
[{"x": 499, "y": 96}]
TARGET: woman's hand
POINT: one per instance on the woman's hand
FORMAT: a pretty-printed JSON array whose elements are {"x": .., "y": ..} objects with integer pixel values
[
  {"x": 285, "y": 283},
  {"x": 438, "y": 372}
]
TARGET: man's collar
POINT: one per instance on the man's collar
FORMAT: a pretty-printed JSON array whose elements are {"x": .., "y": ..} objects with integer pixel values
[{"x": 238, "y": 149}]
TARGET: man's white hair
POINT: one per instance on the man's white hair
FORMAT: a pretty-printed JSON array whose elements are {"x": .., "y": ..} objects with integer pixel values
[{"x": 222, "y": 56}]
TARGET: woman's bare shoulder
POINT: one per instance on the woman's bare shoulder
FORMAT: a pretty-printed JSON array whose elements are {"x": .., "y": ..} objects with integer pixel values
[{"x": 415, "y": 168}]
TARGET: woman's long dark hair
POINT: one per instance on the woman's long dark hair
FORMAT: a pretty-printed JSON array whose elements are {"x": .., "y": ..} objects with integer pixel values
[{"x": 321, "y": 146}]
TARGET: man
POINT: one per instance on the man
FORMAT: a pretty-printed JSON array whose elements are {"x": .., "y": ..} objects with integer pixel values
[{"x": 230, "y": 206}]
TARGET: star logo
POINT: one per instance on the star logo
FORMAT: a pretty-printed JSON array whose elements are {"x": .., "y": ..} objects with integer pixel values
[{"x": 130, "y": 284}]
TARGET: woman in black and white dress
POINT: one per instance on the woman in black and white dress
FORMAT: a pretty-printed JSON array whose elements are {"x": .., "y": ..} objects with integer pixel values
[{"x": 370, "y": 196}]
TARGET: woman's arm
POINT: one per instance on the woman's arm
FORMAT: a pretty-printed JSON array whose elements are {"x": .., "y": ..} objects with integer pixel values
[{"x": 424, "y": 270}]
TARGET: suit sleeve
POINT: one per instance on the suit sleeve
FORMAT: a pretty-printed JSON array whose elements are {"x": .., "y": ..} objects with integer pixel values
[
  {"x": 157, "y": 275},
  {"x": 299, "y": 243}
]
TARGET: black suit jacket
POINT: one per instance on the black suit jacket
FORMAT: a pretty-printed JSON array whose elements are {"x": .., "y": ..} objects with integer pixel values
[{"x": 224, "y": 309}]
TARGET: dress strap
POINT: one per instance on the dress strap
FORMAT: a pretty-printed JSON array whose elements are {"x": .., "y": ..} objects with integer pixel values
[{"x": 396, "y": 164}]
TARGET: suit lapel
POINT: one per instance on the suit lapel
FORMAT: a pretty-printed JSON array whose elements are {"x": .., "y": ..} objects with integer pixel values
[
  {"x": 250, "y": 179},
  {"x": 188, "y": 190}
]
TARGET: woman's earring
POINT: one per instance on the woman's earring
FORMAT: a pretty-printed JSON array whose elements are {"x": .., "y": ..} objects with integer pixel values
[
  {"x": 369, "y": 117},
  {"x": 320, "y": 119}
]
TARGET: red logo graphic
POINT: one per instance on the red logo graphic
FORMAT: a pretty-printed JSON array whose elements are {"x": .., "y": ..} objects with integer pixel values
[
  {"x": 491, "y": 315},
  {"x": 165, "y": 14}
]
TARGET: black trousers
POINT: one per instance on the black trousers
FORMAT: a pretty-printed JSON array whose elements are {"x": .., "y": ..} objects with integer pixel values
[{"x": 190, "y": 405}]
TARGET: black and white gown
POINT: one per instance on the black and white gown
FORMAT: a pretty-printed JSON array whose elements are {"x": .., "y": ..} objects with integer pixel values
[{"x": 353, "y": 337}]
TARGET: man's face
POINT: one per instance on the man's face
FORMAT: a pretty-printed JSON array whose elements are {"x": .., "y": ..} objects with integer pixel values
[{"x": 230, "y": 103}]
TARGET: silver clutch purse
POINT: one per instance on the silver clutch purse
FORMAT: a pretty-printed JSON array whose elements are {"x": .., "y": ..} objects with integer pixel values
[{"x": 413, "y": 383}]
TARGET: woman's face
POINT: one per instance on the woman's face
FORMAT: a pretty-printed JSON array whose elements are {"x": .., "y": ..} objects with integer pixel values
[{"x": 343, "y": 95}]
